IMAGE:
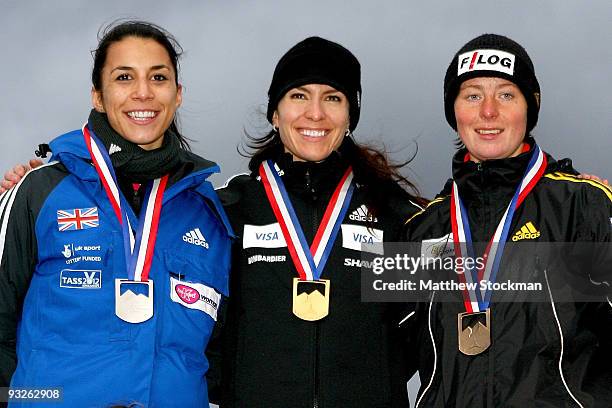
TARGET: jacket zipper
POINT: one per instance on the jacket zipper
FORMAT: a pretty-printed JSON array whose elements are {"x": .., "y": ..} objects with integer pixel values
[
  {"x": 317, "y": 336},
  {"x": 315, "y": 396},
  {"x": 136, "y": 199},
  {"x": 487, "y": 215}
]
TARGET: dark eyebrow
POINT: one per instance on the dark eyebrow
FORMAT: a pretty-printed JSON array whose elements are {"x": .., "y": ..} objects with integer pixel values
[
  {"x": 330, "y": 91},
  {"x": 122, "y": 68},
  {"x": 127, "y": 68}
]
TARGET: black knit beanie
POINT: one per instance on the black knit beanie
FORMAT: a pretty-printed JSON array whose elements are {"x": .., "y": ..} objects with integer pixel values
[
  {"x": 318, "y": 61},
  {"x": 492, "y": 55}
]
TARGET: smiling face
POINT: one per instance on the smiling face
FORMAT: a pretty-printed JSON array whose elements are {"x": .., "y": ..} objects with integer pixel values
[
  {"x": 312, "y": 120},
  {"x": 491, "y": 118},
  {"x": 139, "y": 92}
]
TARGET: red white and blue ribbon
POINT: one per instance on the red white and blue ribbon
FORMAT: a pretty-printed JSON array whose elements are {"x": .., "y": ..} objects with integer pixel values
[
  {"x": 138, "y": 249},
  {"x": 309, "y": 262},
  {"x": 477, "y": 300}
]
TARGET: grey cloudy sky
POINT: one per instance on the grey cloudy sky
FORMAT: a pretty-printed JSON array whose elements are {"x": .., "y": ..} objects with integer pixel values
[{"x": 231, "y": 48}]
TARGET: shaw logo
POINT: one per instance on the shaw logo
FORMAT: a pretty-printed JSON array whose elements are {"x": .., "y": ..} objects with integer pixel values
[
  {"x": 359, "y": 263},
  {"x": 527, "y": 231},
  {"x": 195, "y": 237},
  {"x": 80, "y": 279},
  {"x": 362, "y": 214},
  {"x": 486, "y": 60},
  {"x": 187, "y": 294}
]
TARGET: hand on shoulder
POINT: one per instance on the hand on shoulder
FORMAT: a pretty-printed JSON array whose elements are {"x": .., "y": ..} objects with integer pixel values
[{"x": 12, "y": 177}]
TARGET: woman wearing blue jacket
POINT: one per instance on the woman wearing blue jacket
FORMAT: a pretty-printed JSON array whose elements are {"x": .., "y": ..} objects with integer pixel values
[{"x": 114, "y": 256}]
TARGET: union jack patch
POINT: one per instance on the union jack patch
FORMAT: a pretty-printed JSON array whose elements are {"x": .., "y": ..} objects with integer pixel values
[{"x": 77, "y": 219}]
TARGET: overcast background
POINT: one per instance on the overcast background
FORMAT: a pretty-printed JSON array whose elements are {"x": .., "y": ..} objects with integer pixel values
[{"x": 231, "y": 49}]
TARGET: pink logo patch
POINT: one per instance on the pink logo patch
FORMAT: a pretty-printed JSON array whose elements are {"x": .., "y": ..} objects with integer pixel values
[{"x": 187, "y": 294}]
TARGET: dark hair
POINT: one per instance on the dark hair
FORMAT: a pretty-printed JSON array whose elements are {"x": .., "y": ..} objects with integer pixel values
[
  {"x": 120, "y": 29},
  {"x": 371, "y": 166}
]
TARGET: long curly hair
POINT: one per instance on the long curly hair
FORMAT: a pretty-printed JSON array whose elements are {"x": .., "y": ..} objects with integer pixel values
[{"x": 372, "y": 168}]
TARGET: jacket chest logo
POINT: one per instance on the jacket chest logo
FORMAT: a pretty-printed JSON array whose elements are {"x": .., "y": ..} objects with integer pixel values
[
  {"x": 197, "y": 296},
  {"x": 362, "y": 214},
  {"x": 263, "y": 236},
  {"x": 77, "y": 219},
  {"x": 81, "y": 279},
  {"x": 195, "y": 237},
  {"x": 362, "y": 238},
  {"x": 527, "y": 231}
]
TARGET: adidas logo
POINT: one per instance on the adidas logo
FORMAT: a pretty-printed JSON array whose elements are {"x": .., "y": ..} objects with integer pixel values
[
  {"x": 527, "y": 231},
  {"x": 113, "y": 149},
  {"x": 361, "y": 214},
  {"x": 195, "y": 237}
]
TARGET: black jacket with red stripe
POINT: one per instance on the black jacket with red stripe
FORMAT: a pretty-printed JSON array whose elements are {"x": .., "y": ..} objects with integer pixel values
[{"x": 546, "y": 350}]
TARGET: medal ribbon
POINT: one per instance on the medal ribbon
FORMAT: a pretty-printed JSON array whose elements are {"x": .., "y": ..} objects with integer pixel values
[
  {"x": 138, "y": 249},
  {"x": 476, "y": 300},
  {"x": 309, "y": 262}
]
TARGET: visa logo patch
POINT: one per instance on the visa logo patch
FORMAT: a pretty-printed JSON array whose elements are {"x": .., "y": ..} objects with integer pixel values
[
  {"x": 263, "y": 236},
  {"x": 362, "y": 238},
  {"x": 80, "y": 279}
]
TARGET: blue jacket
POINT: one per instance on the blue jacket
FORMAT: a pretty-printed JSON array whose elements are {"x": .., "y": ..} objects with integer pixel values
[{"x": 68, "y": 335}]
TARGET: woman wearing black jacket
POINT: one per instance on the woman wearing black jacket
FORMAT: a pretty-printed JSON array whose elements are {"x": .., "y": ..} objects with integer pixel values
[
  {"x": 512, "y": 205},
  {"x": 305, "y": 339}
]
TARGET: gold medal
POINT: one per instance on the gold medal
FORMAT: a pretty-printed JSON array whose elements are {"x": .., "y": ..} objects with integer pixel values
[
  {"x": 474, "y": 332},
  {"x": 311, "y": 299}
]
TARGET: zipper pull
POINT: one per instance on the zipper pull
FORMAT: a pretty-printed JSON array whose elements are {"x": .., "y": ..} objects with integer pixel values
[
  {"x": 307, "y": 177},
  {"x": 136, "y": 199},
  {"x": 309, "y": 187}
]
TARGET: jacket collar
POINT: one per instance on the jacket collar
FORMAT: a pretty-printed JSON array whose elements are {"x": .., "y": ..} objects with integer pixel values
[
  {"x": 312, "y": 176},
  {"x": 500, "y": 176},
  {"x": 71, "y": 150}
]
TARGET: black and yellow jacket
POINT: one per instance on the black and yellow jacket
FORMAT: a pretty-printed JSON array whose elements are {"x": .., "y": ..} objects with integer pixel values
[{"x": 550, "y": 352}]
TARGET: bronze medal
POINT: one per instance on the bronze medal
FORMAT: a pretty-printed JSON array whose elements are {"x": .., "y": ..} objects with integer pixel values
[
  {"x": 311, "y": 299},
  {"x": 474, "y": 332}
]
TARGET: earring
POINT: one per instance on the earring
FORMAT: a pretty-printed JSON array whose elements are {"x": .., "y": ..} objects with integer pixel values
[
  {"x": 347, "y": 133},
  {"x": 274, "y": 129}
]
